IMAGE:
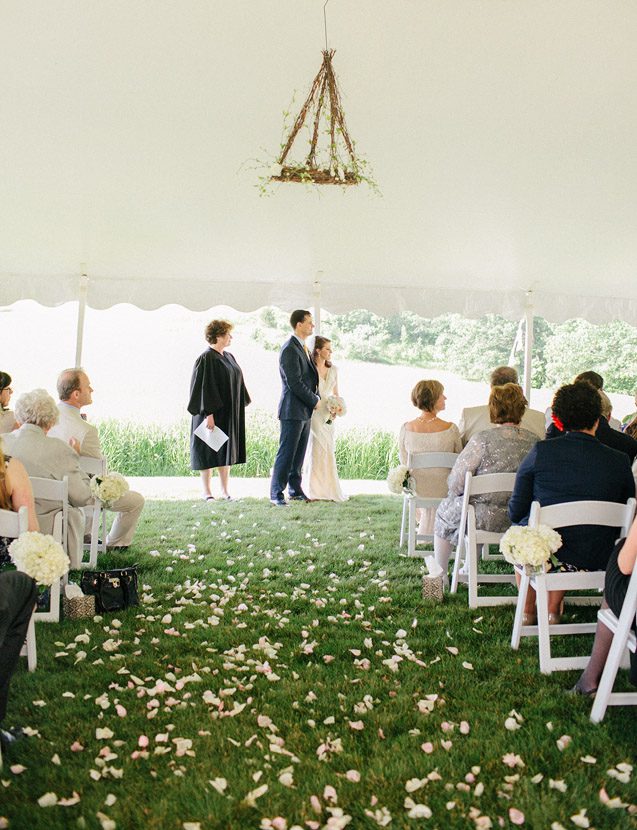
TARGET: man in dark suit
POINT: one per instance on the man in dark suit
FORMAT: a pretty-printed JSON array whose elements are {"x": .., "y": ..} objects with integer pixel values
[
  {"x": 574, "y": 467},
  {"x": 299, "y": 398}
]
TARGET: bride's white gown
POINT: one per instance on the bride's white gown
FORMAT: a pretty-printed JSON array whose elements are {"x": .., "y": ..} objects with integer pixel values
[{"x": 321, "y": 474}]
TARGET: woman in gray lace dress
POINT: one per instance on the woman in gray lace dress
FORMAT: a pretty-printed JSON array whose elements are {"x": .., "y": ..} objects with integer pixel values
[{"x": 497, "y": 450}]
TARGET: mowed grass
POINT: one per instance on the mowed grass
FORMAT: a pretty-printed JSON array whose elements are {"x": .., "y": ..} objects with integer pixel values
[
  {"x": 153, "y": 450},
  {"x": 266, "y": 634}
]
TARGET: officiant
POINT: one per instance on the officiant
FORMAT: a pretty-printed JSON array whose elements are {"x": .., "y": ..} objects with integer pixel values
[{"x": 218, "y": 397}]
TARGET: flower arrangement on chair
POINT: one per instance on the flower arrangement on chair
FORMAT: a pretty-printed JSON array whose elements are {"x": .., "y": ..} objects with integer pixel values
[
  {"x": 109, "y": 488},
  {"x": 399, "y": 480},
  {"x": 532, "y": 547},
  {"x": 39, "y": 556}
]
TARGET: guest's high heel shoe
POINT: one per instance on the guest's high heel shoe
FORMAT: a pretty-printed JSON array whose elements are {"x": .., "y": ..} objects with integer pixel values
[
  {"x": 529, "y": 618},
  {"x": 555, "y": 619}
]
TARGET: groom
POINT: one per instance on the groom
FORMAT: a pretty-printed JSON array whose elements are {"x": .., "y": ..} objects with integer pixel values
[{"x": 299, "y": 398}]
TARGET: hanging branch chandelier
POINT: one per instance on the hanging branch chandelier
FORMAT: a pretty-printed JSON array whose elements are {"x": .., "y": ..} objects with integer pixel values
[{"x": 331, "y": 158}]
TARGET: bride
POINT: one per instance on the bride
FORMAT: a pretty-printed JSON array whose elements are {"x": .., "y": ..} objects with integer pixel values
[{"x": 322, "y": 476}]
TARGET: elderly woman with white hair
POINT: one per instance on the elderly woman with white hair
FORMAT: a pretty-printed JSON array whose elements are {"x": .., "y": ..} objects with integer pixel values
[{"x": 45, "y": 457}]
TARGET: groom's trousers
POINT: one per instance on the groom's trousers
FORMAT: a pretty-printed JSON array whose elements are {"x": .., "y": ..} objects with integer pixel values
[{"x": 288, "y": 464}]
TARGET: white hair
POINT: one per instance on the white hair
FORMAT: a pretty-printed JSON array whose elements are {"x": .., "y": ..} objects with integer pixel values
[{"x": 37, "y": 407}]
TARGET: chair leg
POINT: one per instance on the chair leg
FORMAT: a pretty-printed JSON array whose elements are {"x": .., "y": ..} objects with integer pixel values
[
  {"x": 543, "y": 630},
  {"x": 519, "y": 611},
  {"x": 402, "y": 523},
  {"x": 607, "y": 680},
  {"x": 458, "y": 561},
  {"x": 411, "y": 529},
  {"x": 32, "y": 653},
  {"x": 472, "y": 561}
]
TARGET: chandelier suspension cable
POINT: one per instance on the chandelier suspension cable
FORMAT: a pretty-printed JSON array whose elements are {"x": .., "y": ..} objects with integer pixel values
[{"x": 325, "y": 22}]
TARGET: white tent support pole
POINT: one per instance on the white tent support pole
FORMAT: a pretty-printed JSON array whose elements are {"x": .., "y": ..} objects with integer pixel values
[
  {"x": 81, "y": 312},
  {"x": 528, "y": 344},
  {"x": 316, "y": 300}
]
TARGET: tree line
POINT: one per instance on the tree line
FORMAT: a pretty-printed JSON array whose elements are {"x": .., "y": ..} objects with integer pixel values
[{"x": 472, "y": 347}]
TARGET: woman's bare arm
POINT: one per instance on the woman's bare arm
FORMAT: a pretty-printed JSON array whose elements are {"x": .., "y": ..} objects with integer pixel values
[
  {"x": 21, "y": 492},
  {"x": 628, "y": 554}
]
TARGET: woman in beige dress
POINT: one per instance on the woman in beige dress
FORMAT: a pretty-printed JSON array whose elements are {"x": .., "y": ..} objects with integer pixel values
[{"x": 428, "y": 433}]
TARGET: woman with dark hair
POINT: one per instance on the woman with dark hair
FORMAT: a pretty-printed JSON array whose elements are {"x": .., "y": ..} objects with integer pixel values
[
  {"x": 498, "y": 450},
  {"x": 428, "y": 433},
  {"x": 321, "y": 473},
  {"x": 219, "y": 397},
  {"x": 574, "y": 467},
  {"x": 7, "y": 418}
]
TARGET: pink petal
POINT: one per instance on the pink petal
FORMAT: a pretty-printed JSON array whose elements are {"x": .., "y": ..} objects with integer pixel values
[{"x": 516, "y": 816}]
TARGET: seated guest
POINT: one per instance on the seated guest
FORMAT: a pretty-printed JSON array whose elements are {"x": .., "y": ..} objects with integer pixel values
[
  {"x": 7, "y": 418},
  {"x": 618, "y": 571},
  {"x": 18, "y": 593},
  {"x": 74, "y": 390},
  {"x": 428, "y": 433},
  {"x": 496, "y": 450},
  {"x": 46, "y": 457},
  {"x": 595, "y": 380},
  {"x": 573, "y": 467},
  {"x": 15, "y": 492},
  {"x": 631, "y": 428},
  {"x": 631, "y": 418},
  {"x": 605, "y": 433},
  {"x": 475, "y": 419}
]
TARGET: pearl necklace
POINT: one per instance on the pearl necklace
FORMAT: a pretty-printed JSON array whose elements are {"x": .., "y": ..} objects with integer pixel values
[{"x": 427, "y": 420}]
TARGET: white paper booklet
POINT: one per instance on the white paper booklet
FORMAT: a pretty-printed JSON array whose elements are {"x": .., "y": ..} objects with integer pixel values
[{"x": 215, "y": 438}]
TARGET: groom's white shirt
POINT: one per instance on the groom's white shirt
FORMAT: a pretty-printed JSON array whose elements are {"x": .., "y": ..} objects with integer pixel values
[{"x": 72, "y": 425}]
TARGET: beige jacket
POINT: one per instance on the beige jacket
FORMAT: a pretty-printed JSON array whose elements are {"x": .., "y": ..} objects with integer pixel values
[
  {"x": 475, "y": 419},
  {"x": 72, "y": 425}
]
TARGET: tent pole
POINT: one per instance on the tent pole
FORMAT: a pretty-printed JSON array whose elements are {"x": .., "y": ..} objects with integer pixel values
[
  {"x": 81, "y": 311},
  {"x": 528, "y": 344},
  {"x": 316, "y": 299}
]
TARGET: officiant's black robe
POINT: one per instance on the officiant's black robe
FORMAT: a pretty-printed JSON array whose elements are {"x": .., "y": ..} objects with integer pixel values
[{"x": 217, "y": 388}]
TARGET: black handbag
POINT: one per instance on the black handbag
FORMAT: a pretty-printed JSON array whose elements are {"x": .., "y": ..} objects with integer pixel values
[{"x": 113, "y": 590}]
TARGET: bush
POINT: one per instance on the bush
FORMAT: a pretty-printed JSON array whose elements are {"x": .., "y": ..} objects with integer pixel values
[{"x": 152, "y": 450}]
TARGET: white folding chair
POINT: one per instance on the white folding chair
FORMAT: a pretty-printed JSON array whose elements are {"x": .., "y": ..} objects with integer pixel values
[
  {"x": 623, "y": 638},
  {"x": 470, "y": 538},
  {"x": 55, "y": 491},
  {"x": 12, "y": 525},
  {"x": 567, "y": 514},
  {"x": 95, "y": 512},
  {"x": 412, "y": 502}
]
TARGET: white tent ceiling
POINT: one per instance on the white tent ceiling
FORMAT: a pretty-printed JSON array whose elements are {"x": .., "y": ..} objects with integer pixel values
[{"x": 501, "y": 134}]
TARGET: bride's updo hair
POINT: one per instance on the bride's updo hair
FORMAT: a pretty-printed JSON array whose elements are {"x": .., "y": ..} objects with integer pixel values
[
  {"x": 319, "y": 342},
  {"x": 425, "y": 394}
]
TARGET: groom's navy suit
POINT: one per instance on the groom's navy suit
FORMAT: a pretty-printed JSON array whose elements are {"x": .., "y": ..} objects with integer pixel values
[{"x": 299, "y": 378}]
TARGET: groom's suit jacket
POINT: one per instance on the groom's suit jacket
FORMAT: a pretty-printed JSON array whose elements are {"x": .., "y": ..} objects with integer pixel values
[{"x": 299, "y": 379}]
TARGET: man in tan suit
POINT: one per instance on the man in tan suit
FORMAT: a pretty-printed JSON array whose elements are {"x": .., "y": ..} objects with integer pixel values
[
  {"x": 46, "y": 457},
  {"x": 74, "y": 390},
  {"x": 475, "y": 419}
]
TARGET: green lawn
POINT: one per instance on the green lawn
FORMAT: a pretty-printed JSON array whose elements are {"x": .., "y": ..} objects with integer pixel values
[{"x": 282, "y": 665}]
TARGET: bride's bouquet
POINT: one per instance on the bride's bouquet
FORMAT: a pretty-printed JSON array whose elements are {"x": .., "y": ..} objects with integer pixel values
[
  {"x": 399, "y": 480},
  {"x": 39, "y": 556},
  {"x": 109, "y": 488},
  {"x": 335, "y": 406},
  {"x": 530, "y": 546}
]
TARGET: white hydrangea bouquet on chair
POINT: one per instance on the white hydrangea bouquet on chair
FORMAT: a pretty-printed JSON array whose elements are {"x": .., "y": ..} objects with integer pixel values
[
  {"x": 335, "y": 406},
  {"x": 39, "y": 556},
  {"x": 532, "y": 547},
  {"x": 399, "y": 480},
  {"x": 109, "y": 488}
]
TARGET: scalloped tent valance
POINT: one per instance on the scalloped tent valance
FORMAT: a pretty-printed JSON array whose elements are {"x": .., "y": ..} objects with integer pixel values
[{"x": 501, "y": 136}]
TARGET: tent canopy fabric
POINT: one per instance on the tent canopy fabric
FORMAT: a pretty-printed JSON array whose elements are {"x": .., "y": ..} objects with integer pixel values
[{"x": 501, "y": 135}]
